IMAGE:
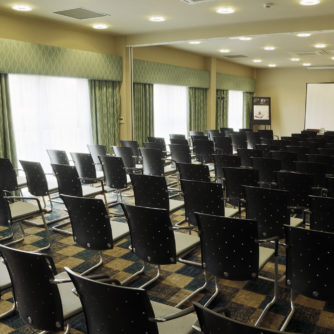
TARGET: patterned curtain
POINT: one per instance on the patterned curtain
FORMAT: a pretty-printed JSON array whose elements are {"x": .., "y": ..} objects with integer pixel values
[
  {"x": 247, "y": 110},
  {"x": 105, "y": 106},
  {"x": 221, "y": 109},
  {"x": 142, "y": 112},
  {"x": 7, "y": 140},
  {"x": 197, "y": 109}
]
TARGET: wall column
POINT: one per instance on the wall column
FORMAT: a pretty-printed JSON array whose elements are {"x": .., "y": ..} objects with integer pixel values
[{"x": 211, "y": 105}]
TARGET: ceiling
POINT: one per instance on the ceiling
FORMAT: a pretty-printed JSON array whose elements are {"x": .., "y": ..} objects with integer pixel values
[{"x": 275, "y": 26}]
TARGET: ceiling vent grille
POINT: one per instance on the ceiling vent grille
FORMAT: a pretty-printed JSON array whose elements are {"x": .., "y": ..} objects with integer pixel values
[
  {"x": 235, "y": 56},
  {"x": 80, "y": 13},
  {"x": 195, "y": 2},
  {"x": 306, "y": 53}
]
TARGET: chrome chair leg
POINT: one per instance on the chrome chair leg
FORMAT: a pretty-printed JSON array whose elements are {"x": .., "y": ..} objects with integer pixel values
[
  {"x": 95, "y": 266},
  {"x": 156, "y": 277},
  {"x": 292, "y": 311},
  {"x": 214, "y": 295},
  {"x": 133, "y": 276},
  {"x": 9, "y": 312}
]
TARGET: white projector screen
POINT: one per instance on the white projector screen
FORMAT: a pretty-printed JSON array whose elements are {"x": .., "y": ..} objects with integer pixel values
[{"x": 319, "y": 106}]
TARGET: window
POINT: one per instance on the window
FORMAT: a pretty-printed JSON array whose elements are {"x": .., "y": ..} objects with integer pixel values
[
  {"x": 49, "y": 113},
  {"x": 235, "y": 109},
  {"x": 170, "y": 110}
]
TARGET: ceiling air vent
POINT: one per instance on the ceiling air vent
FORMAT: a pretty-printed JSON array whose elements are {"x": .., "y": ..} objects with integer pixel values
[
  {"x": 307, "y": 53},
  {"x": 235, "y": 56},
  {"x": 80, "y": 13},
  {"x": 195, "y": 2}
]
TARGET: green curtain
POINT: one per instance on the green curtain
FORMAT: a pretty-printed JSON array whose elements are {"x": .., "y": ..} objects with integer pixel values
[
  {"x": 7, "y": 140},
  {"x": 247, "y": 110},
  {"x": 197, "y": 109},
  {"x": 221, "y": 109},
  {"x": 142, "y": 112},
  {"x": 105, "y": 106}
]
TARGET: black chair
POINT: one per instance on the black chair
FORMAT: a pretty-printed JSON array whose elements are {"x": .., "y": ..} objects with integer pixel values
[
  {"x": 328, "y": 160},
  {"x": 317, "y": 169},
  {"x": 97, "y": 150},
  {"x": 43, "y": 299},
  {"x": 204, "y": 197},
  {"x": 158, "y": 140},
  {"x": 194, "y": 172},
  {"x": 321, "y": 213},
  {"x": 153, "y": 239},
  {"x": 226, "y": 131},
  {"x": 203, "y": 150},
  {"x": 309, "y": 265},
  {"x": 212, "y": 133},
  {"x": 179, "y": 141},
  {"x": 215, "y": 323},
  {"x": 238, "y": 141},
  {"x": 330, "y": 186},
  {"x": 153, "y": 161},
  {"x": 58, "y": 157},
  {"x": 180, "y": 153},
  {"x": 286, "y": 158},
  {"x": 133, "y": 144},
  {"x": 196, "y": 133},
  {"x": 267, "y": 169},
  {"x": 129, "y": 160},
  {"x": 230, "y": 250},
  {"x": 177, "y": 136},
  {"x": 91, "y": 226},
  {"x": 268, "y": 134},
  {"x": 252, "y": 139},
  {"x": 221, "y": 161},
  {"x": 110, "y": 308},
  {"x": 246, "y": 154},
  {"x": 8, "y": 177},
  {"x": 222, "y": 145},
  {"x": 301, "y": 151}
]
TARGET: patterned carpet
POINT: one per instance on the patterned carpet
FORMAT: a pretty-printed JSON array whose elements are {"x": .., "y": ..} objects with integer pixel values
[{"x": 245, "y": 300}]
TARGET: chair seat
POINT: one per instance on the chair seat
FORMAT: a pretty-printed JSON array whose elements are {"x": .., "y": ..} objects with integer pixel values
[
  {"x": 230, "y": 212},
  {"x": 70, "y": 302},
  {"x": 175, "y": 205},
  {"x": 177, "y": 326},
  {"x": 185, "y": 242},
  {"x": 264, "y": 255},
  {"x": 21, "y": 181},
  {"x": 119, "y": 230},
  {"x": 20, "y": 210},
  {"x": 295, "y": 221},
  {"x": 5, "y": 281},
  {"x": 89, "y": 191}
]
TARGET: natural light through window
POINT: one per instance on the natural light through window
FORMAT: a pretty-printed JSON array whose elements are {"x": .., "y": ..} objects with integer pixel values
[
  {"x": 170, "y": 110},
  {"x": 235, "y": 109},
  {"x": 49, "y": 113}
]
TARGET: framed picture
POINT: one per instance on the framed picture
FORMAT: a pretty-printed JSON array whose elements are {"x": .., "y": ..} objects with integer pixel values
[{"x": 261, "y": 110}]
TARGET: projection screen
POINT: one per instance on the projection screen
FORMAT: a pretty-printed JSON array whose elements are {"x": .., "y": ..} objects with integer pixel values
[{"x": 319, "y": 106}]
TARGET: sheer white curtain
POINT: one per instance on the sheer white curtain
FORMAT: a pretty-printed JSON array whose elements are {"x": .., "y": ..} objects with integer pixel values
[
  {"x": 235, "y": 109},
  {"x": 170, "y": 110},
  {"x": 49, "y": 113}
]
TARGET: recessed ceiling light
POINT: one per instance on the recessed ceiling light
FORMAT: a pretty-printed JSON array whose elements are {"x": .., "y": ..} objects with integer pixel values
[
  {"x": 22, "y": 8},
  {"x": 269, "y": 48},
  {"x": 157, "y": 19},
  {"x": 295, "y": 59},
  {"x": 245, "y": 38},
  {"x": 194, "y": 42},
  {"x": 224, "y": 50},
  {"x": 320, "y": 45},
  {"x": 257, "y": 60},
  {"x": 272, "y": 65},
  {"x": 225, "y": 10},
  {"x": 306, "y": 64},
  {"x": 303, "y": 34},
  {"x": 309, "y": 2},
  {"x": 100, "y": 26},
  {"x": 332, "y": 58}
]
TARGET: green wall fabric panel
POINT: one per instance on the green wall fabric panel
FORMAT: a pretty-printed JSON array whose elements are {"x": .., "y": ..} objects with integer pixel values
[
  {"x": 105, "y": 105},
  {"x": 7, "y": 139},
  {"x": 247, "y": 110},
  {"x": 221, "y": 108},
  {"x": 197, "y": 109},
  {"x": 31, "y": 58},
  {"x": 231, "y": 82},
  {"x": 158, "y": 73},
  {"x": 143, "y": 125}
]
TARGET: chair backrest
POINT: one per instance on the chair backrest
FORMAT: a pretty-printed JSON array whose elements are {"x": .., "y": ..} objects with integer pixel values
[
  {"x": 113, "y": 309},
  {"x": 287, "y": 159},
  {"x": 179, "y": 141},
  {"x": 37, "y": 299},
  {"x": 152, "y": 237},
  {"x": 309, "y": 262},
  {"x": 36, "y": 180},
  {"x": 317, "y": 169},
  {"x": 326, "y": 151},
  {"x": 330, "y": 186},
  {"x": 8, "y": 180},
  {"x": 328, "y": 160},
  {"x": 126, "y": 153},
  {"x": 222, "y": 160},
  {"x": 177, "y": 136},
  {"x": 266, "y": 134},
  {"x": 301, "y": 151},
  {"x": 322, "y": 213},
  {"x": 223, "y": 145},
  {"x": 203, "y": 150},
  {"x": 159, "y": 140},
  {"x": 85, "y": 166},
  {"x": 215, "y": 323},
  {"x": 180, "y": 153},
  {"x": 133, "y": 144},
  {"x": 269, "y": 207},
  {"x": 90, "y": 222},
  {"x": 194, "y": 172},
  {"x": 238, "y": 141},
  {"x": 246, "y": 154},
  {"x": 252, "y": 139},
  {"x": 152, "y": 144},
  {"x": 196, "y": 133},
  {"x": 114, "y": 171},
  {"x": 266, "y": 168},
  {"x": 153, "y": 162},
  {"x": 299, "y": 186},
  {"x": 205, "y": 197},
  {"x": 226, "y": 131},
  {"x": 68, "y": 180},
  {"x": 150, "y": 191},
  {"x": 212, "y": 133},
  {"x": 97, "y": 150},
  {"x": 58, "y": 157},
  {"x": 228, "y": 245}
]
